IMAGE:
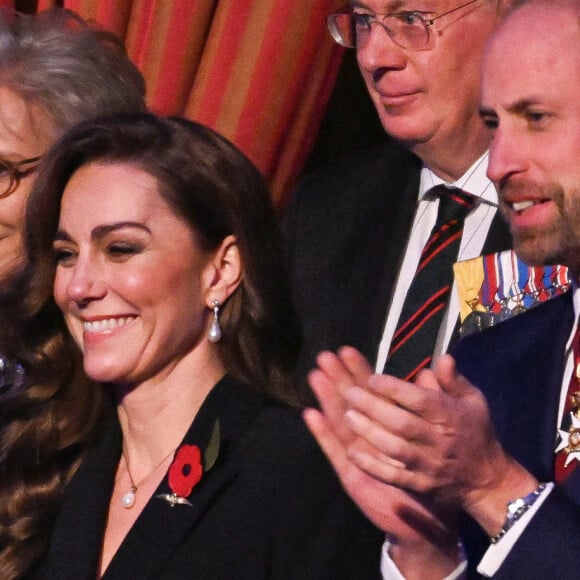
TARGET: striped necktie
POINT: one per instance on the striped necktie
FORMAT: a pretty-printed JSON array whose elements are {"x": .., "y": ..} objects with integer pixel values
[{"x": 414, "y": 340}]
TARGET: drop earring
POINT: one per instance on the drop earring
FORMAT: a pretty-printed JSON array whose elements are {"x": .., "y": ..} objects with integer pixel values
[{"x": 215, "y": 330}]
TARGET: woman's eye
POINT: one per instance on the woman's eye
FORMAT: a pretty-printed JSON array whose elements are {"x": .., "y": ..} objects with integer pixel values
[
  {"x": 122, "y": 249},
  {"x": 63, "y": 256}
]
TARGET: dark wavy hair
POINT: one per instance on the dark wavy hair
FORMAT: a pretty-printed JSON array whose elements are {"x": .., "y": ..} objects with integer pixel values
[{"x": 216, "y": 189}]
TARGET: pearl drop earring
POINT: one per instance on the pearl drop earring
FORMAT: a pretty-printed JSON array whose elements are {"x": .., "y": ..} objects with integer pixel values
[{"x": 215, "y": 330}]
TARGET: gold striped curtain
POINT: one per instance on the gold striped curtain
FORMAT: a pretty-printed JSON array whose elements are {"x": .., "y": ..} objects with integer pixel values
[{"x": 258, "y": 71}]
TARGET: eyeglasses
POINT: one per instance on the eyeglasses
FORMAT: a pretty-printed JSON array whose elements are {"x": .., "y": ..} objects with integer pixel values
[
  {"x": 11, "y": 174},
  {"x": 409, "y": 29}
]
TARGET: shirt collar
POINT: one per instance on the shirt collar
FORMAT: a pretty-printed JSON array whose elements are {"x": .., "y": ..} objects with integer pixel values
[
  {"x": 576, "y": 302},
  {"x": 473, "y": 181}
]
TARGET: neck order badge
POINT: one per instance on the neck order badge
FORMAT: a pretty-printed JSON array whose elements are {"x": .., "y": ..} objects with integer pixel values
[{"x": 568, "y": 449}]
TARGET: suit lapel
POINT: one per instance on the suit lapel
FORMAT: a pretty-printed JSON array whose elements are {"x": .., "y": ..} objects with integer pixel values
[
  {"x": 162, "y": 528},
  {"x": 76, "y": 541},
  {"x": 391, "y": 256},
  {"x": 522, "y": 379},
  {"x": 571, "y": 486},
  {"x": 365, "y": 292},
  {"x": 534, "y": 409}
]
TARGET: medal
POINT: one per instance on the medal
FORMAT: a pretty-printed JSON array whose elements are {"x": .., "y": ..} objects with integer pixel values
[
  {"x": 507, "y": 287},
  {"x": 570, "y": 439}
]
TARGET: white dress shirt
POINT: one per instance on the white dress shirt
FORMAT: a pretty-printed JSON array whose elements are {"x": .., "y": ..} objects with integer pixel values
[{"x": 475, "y": 230}]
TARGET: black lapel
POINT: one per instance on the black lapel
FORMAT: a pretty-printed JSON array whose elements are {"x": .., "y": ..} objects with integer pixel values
[
  {"x": 364, "y": 293},
  {"x": 571, "y": 486},
  {"x": 75, "y": 546},
  {"x": 162, "y": 528}
]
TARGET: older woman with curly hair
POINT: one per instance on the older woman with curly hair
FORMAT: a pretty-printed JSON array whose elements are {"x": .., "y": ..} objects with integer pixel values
[{"x": 55, "y": 71}]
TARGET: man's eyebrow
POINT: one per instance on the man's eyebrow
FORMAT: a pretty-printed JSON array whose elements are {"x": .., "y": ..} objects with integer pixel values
[
  {"x": 393, "y": 6},
  {"x": 516, "y": 108},
  {"x": 522, "y": 105},
  {"x": 100, "y": 232}
]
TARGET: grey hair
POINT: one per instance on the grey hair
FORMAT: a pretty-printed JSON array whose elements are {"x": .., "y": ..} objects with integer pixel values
[{"x": 70, "y": 70}]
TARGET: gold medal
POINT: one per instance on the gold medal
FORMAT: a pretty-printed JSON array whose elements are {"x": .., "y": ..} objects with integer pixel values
[{"x": 469, "y": 278}]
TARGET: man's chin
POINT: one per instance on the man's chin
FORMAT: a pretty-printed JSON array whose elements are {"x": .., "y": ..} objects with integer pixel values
[
  {"x": 537, "y": 252},
  {"x": 409, "y": 130}
]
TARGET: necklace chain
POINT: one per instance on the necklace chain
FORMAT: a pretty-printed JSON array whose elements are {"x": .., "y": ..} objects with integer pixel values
[{"x": 128, "y": 499}]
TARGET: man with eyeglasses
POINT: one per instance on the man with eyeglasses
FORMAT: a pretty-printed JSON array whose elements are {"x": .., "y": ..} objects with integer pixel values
[
  {"x": 356, "y": 232},
  {"x": 502, "y": 460}
]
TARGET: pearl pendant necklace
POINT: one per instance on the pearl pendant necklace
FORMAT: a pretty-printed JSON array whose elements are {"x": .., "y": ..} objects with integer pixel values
[{"x": 128, "y": 499}]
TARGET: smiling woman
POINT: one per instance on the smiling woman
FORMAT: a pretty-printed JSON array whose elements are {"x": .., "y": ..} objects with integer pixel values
[
  {"x": 131, "y": 276},
  {"x": 143, "y": 234}
]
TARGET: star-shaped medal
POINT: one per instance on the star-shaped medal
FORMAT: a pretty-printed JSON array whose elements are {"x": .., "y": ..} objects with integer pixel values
[{"x": 570, "y": 441}]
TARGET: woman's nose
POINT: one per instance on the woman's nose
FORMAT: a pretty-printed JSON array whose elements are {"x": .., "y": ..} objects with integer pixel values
[{"x": 86, "y": 282}]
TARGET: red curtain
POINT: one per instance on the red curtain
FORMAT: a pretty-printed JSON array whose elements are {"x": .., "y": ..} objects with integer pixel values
[{"x": 258, "y": 71}]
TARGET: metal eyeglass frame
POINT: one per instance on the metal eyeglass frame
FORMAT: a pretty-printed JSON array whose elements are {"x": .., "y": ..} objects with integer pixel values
[
  {"x": 12, "y": 170},
  {"x": 334, "y": 28}
]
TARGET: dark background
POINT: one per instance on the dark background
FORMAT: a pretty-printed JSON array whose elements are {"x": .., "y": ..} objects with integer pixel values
[
  {"x": 28, "y": 6},
  {"x": 350, "y": 122}
]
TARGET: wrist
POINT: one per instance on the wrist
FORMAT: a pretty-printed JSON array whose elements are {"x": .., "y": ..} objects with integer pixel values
[
  {"x": 515, "y": 509},
  {"x": 489, "y": 507}
]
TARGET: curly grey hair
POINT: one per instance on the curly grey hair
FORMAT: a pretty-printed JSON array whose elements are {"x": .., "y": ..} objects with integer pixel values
[{"x": 70, "y": 70}]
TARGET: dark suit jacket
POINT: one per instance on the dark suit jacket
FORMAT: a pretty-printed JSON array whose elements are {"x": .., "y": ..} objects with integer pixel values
[
  {"x": 519, "y": 366},
  {"x": 271, "y": 507},
  {"x": 347, "y": 229}
]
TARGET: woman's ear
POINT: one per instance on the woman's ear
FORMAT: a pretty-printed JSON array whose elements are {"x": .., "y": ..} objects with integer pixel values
[{"x": 224, "y": 271}]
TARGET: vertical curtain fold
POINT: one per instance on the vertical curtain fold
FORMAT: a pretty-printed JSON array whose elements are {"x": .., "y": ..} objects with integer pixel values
[
  {"x": 258, "y": 71},
  {"x": 166, "y": 40}
]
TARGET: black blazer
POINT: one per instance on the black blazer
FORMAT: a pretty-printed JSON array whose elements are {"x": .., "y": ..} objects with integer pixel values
[
  {"x": 271, "y": 507},
  {"x": 519, "y": 366},
  {"x": 347, "y": 228}
]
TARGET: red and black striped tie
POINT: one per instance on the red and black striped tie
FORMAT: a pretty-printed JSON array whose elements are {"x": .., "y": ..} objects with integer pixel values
[{"x": 414, "y": 340}]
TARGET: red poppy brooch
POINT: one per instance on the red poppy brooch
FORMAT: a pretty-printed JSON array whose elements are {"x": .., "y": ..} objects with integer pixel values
[{"x": 188, "y": 467}]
